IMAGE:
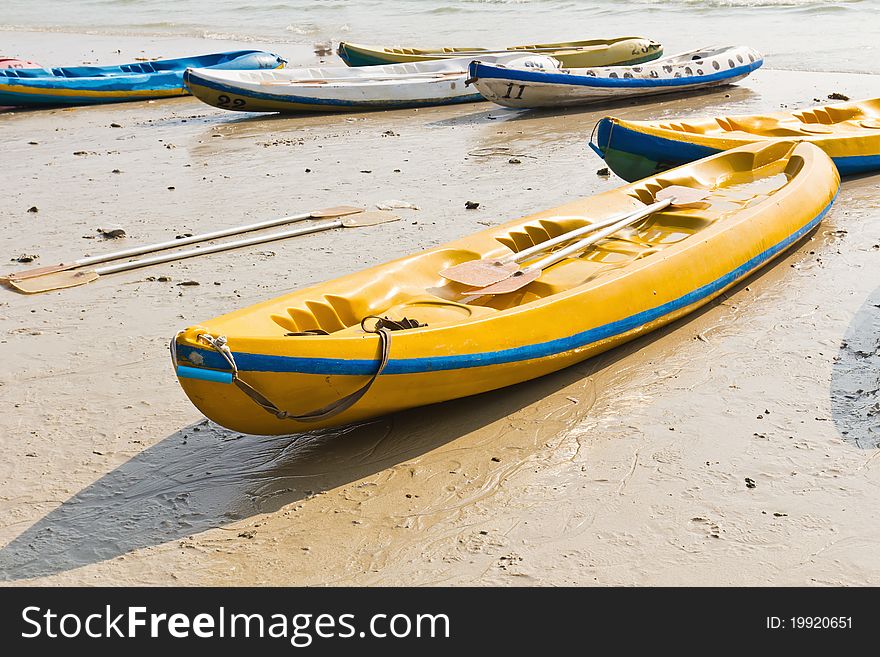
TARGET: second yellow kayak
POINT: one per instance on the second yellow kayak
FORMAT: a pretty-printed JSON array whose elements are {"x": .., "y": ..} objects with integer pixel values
[{"x": 848, "y": 132}]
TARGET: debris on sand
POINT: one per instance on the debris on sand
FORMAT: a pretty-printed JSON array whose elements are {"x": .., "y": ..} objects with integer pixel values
[
  {"x": 395, "y": 204},
  {"x": 604, "y": 171},
  {"x": 189, "y": 283},
  {"x": 750, "y": 483},
  {"x": 25, "y": 258},
  {"x": 471, "y": 205},
  {"x": 837, "y": 96},
  {"x": 33, "y": 208},
  {"x": 112, "y": 232}
]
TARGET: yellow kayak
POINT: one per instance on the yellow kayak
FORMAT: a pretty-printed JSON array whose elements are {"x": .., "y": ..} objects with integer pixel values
[
  {"x": 572, "y": 54},
  {"x": 848, "y": 132},
  {"x": 280, "y": 366}
]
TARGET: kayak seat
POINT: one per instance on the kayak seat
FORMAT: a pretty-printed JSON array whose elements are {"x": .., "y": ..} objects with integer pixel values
[
  {"x": 405, "y": 283},
  {"x": 144, "y": 67},
  {"x": 26, "y": 73},
  {"x": 829, "y": 115},
  {"x": 532, "y": 234},
  {"x": 578, "y": 270}
]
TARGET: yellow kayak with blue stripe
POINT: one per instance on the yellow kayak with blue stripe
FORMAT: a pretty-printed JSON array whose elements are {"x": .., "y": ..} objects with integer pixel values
[
  {"x": 848, "y": 132},
  {"x": 400, "y": 335},
  {"x": 572, "y": 54},
  {"x": 90, "y": 85}
]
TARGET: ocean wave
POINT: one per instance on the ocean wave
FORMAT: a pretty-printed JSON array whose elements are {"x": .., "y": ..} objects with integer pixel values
[
  {"x": 305, "y": 29},
  {"x": 747, "y": 4}
]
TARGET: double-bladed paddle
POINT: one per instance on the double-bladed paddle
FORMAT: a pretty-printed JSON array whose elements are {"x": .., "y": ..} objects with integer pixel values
[
  {"x": 60, "y": 279},
  {"x": 511, "y": 278},
  {"x": 326, "y": 213}
]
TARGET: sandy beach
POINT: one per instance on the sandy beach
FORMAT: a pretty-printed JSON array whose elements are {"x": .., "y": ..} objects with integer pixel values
[{"x": 737, "y": 447}]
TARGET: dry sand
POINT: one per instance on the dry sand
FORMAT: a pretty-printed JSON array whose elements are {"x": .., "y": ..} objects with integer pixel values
[{"x": 628, "y": 469}]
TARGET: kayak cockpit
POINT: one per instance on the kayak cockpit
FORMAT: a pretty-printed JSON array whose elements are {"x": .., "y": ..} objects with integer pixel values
[
  {"x": 414, "y": 288},
  {"x": 817, "y": 121}
]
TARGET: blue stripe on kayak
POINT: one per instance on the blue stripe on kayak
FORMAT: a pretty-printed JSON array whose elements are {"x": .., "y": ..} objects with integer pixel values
[
  {"x": 487, "y": 71},
  {"x": 185, "y": 372},
  {"x": 267, "y": 363},
  {"x": 857, "y": 164},
  {"x": 674, "y": 151},
  {"x": 49, "y": 99},
  {"x": 659, "y": 149},
  {"x": 192, "y": 78}
]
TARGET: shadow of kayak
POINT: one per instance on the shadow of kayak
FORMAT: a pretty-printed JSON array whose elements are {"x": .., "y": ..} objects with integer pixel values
[
  {"x": 203, "y": 476},
  {"x": 855, "y": 378}
]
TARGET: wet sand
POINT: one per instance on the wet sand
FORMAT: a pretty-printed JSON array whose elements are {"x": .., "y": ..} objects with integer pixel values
[{"x": 627, "y": 469}]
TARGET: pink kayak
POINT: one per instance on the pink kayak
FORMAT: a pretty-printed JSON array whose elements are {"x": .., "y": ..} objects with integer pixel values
[{"x": 8, "y": 62}]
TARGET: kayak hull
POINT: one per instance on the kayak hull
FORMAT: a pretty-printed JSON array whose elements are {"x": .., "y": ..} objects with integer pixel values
[
  {"x": 90, "y": 85},
  {"x": 341, "y": 89},
  {"x": 596, "y": 52},
  {"x": 687, "y": 72},
  {"x": 768, "y": 197},
  {"x": 636, "y": 149}
]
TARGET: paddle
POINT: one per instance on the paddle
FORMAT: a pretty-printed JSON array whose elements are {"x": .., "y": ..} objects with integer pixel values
[
  {"x": 72, "y": 278},
  {"x": 480, "y": 273},
  {"x": 338, "y": 211},
  {"x": 519, "y": 278}
]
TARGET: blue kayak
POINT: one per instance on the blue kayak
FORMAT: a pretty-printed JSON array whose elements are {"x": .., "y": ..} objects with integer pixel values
[{"x": 89, "y": 85}]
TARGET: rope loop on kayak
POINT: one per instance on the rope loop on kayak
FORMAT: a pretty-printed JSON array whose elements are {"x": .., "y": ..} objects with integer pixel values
[{"x": 382, "y": 327}]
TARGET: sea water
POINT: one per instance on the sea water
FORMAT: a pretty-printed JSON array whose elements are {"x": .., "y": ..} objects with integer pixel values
[{"x": 793, "y": 34}]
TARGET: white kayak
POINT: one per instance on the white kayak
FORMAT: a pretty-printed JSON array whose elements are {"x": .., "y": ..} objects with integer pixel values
[
  {"x": 515, "y": 84},
  {"x": 391, "y": 86}
]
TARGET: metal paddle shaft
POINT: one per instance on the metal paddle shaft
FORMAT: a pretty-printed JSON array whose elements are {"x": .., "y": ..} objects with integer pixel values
[
  {"x": 481, "y": 273},
  {"x": 73, "y": 278},
  {"x": 367, "y": 219},
  {"x": 338, "y": 211},
  {"x": 681, "y": 196}
]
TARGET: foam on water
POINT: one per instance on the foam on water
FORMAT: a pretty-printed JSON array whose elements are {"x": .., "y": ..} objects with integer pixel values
[{"x": 799, "y": 34}]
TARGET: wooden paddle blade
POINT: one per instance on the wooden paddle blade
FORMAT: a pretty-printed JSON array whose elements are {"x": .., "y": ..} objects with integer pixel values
[
  {"x": 36, "y": 271},
  {"x": 338, "y": 211},
  {"x": 56, "y": 281},
  {"x": 369, "y": 219},
  {"x": 518, "y": 280},
  {"x": 479, "y": 273},
  {"x": 682, "y": 196}
]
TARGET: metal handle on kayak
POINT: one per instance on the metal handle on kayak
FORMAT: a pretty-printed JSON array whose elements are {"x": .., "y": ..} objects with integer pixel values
[{"x": 596, "y": 148}]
